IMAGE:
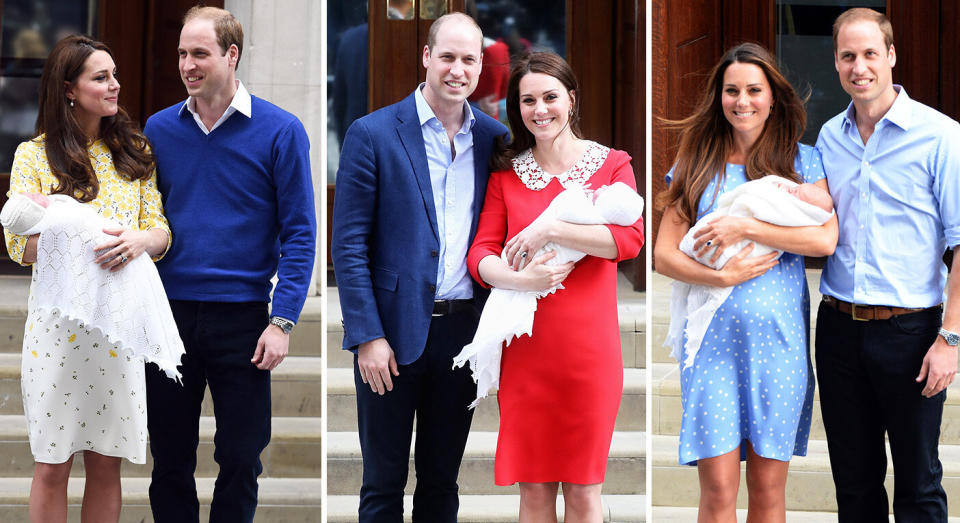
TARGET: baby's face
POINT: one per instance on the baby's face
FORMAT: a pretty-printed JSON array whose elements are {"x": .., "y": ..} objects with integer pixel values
[
  {"x": 38, "y": 198},
  {"x": 810, "y": 193}
]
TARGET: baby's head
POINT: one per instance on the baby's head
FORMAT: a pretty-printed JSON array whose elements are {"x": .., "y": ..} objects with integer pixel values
[
  {"x": 38, "y": 198},
  {"x": 810, "y": 193},
  {"x": 23, "y": 211}
]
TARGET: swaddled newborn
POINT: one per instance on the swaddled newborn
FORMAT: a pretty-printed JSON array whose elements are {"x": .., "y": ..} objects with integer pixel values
[
  {"x": 771, "y": 199},
  {"x": 129, "y": 306}
]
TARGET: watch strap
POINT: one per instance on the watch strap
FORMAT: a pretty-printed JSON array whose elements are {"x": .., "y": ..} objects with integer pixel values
[{"x": 284, "y": 324}]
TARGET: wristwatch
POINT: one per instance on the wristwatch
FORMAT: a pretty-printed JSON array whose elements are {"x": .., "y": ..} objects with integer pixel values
[
  {"x": 287, "y": 325},
  {"x": 952, "y": 338}
]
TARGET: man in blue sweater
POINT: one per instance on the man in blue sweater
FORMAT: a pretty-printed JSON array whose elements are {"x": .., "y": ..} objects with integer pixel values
[{"x": 234, "y": 172}]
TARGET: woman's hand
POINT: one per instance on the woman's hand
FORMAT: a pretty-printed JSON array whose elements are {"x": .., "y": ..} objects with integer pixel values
[
  {"x": 740, "y": 268},
  {"x": 127, "y": 245},
  {"x": 539, "y": 277},
  {"x": 526, "y": 243},
  {"x": 720, "y": 233}
]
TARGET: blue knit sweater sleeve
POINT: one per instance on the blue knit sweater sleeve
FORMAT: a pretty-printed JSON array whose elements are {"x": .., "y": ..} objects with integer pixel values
[{"x": 297, "y": 218}]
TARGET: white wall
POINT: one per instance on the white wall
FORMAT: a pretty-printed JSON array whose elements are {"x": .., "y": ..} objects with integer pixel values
[{"x": 282, "y": 62}]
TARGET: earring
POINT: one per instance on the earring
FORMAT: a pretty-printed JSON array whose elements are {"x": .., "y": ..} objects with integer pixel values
[{"x": 71, "y": 103}]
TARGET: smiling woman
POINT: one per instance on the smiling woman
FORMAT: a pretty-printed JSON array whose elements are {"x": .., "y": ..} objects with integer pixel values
[
  {"x": 87, "y": 148},
  {"x": 95, "y": 92}
]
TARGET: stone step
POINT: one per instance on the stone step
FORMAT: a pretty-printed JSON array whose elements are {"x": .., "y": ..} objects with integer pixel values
[
  {"x": 294, "y": 450},
  {"x": 625, "y": 466},
  {"x": 342, "y": 403},
  {"x": 688, "y": 514},
  {"x": 304, "y": 341},
  {"x": 296, "y": 389},
  {"x": 280, "y": 499},
  {"x": 496, "y": 508},
  {"x": 809, "y": 485},
  {"x": 631, "y": 308},
  {"x": 665, "y": 409}
]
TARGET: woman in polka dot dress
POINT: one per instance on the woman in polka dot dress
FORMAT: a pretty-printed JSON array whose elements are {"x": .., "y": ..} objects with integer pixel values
[
  {"x": 81, "y": 393},
  {"x": 749, "y": 393}
]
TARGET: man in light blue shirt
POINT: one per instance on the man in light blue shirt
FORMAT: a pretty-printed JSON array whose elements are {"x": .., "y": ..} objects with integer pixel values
[
  {"x": 410, "y": 186},
  {"x": 883, "y": 360}
]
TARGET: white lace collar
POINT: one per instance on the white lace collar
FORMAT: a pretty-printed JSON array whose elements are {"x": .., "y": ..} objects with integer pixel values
[{"x": 536, "y": 178}]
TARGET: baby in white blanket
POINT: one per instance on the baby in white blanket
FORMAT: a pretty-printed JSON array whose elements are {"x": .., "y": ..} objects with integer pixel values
[
  {"x": 129, "y": 306},
  {"x": 771, "y": 199},
  {"x": 509, "y": 313}
]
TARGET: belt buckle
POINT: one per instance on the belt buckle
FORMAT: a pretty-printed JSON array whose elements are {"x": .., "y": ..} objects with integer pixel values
[
  {"x": 437, "y": 314},
  {"x": 853, "y": 313}
]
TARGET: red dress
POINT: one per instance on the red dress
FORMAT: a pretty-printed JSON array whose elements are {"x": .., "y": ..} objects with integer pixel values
[{"x": 559, "y": 388}]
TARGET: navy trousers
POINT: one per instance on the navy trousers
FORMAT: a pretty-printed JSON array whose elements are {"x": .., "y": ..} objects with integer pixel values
[
  {"x": 437, "y": 396},
  {"x": 866, "y": 371},
  {"x": 220, "y": 339}
]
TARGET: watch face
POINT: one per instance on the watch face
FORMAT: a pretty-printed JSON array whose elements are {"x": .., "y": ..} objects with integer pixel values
[{"x": 952, "y": 338}]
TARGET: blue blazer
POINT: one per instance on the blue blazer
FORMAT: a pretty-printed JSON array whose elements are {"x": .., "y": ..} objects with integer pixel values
[{"x": 384, "y": 244}]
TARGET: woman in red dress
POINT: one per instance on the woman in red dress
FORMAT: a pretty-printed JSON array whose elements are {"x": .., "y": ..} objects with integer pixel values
[{"x": 560, "y": 387}]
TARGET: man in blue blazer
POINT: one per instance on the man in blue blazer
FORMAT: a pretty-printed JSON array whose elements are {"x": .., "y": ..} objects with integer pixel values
[{"x": 409, "y": 190}]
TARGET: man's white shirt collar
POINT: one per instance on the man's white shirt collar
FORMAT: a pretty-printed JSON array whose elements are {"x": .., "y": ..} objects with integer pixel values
[
  {"x": 241, "y": 103},
  {"x": 425, "y": 112}
]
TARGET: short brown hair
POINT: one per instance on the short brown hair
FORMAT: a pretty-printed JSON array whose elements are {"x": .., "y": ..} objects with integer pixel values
[
  {"x": 435, "y": 27},
  {"x": 862, "y": 14},
  {"x": 225, "y": 26}
]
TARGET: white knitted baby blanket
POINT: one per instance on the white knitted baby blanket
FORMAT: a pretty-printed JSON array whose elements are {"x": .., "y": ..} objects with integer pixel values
[{"x": 128, "y": 306}]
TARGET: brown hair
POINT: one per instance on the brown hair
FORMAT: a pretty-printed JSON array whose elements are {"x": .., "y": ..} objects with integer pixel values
[
  {"x": 706, "y": 137},
  {"x": 544, "y": 63},
  {"x": 862, "y": 14},
  {"x": 225, "y": 26},
  {"x": 435, "y": 26},
  {"x": 66, "y": 142}
]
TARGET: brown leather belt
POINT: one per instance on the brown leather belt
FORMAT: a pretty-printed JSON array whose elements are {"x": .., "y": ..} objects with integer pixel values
[{"x": 869, "y": 312}]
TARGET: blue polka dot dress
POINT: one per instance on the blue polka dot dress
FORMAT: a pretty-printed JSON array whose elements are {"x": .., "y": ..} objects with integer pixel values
[{"x": 752, "y": 378}]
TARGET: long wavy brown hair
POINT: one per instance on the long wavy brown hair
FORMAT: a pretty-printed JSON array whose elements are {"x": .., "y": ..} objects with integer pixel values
[
  {"x": 541, "y": 62},
  {"x": 706, "y": 137},
  {"x": 66, "y": 142}
]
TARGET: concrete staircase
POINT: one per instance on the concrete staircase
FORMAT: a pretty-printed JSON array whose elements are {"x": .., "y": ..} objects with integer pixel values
[
  {"x": 810, "y": 491},
  {"x": 290, "y": 486},
  {"x": 480, "y": 499}
]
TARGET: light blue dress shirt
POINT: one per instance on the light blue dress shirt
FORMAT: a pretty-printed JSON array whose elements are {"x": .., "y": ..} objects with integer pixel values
[
  {"x": 898, "y": 202},
  {"x": 451, "y": 179}
]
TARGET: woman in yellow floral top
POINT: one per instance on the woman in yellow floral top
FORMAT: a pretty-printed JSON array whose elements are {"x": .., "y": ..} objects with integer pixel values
[{"x": 80, "y": 392}]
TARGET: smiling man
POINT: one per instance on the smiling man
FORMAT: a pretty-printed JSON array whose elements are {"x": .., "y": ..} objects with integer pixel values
[
  {"x": 234, "y": 171},
  {"x": 883, "y": 360},
  {"x": 411, "y": 181}
]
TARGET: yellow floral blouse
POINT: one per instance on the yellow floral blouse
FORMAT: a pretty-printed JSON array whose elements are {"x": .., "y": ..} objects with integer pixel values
[{"x": 134, "y": 204}]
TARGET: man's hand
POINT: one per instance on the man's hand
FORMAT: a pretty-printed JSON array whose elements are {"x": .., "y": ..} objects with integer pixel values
[
  {"x": 939, "y": 367},
  {"x": 376, "y": 363},
  {"x": 271, "y": 348}
]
